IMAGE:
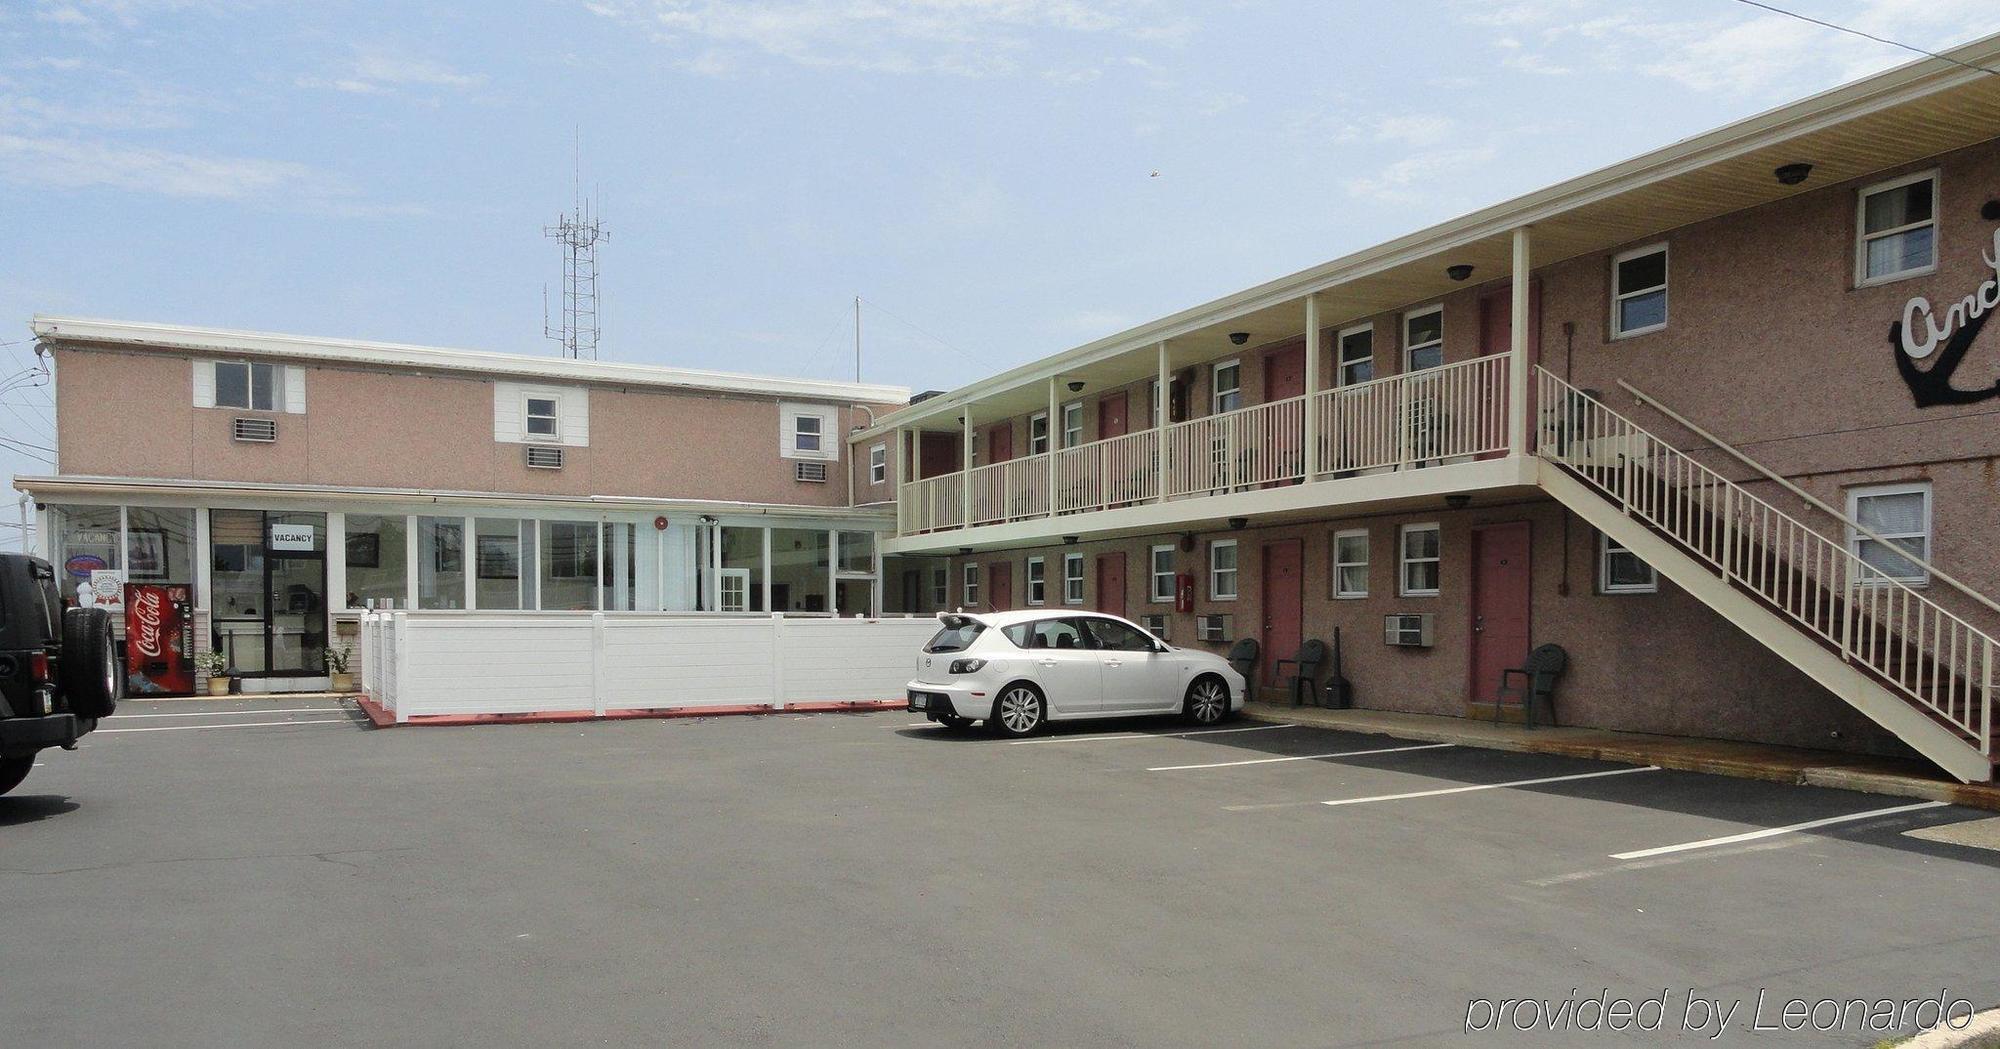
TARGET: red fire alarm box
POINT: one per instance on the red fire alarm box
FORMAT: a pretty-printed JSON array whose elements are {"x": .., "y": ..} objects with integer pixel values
[{"x": 1184, "y": 592}]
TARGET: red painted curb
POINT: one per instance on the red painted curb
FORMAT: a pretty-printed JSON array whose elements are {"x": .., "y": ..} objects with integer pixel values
[
  {"x": 376, "y": 715},
  {"x": 384, "y": 719}
]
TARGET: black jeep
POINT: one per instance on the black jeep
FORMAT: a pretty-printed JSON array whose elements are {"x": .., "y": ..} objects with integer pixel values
[{"x": 59, "y": 670}]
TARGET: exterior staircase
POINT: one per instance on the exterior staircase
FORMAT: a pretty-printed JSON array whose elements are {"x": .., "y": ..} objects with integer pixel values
[{"x": 1893, "y": 653}]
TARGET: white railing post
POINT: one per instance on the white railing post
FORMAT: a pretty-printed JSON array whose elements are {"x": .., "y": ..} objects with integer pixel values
[
  {"x": 1986, "y": 699},
  {"x": 1728, "y": 550},
  {"x": 777, "y": 661},
  {"x": 1051, "y": 428},
  {"x": 1310, "y": 464},
  {"x": 402, "y": 672},
  {"x": 1161, "y": 414},
  {"x": 1517, "y": 364},
  {"x": 965, "y": 467},
  {"x": 597, "y": 663}
]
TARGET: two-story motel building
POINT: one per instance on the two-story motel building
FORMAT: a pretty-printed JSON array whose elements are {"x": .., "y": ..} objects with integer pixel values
[{"x": 1717, "y": 420}]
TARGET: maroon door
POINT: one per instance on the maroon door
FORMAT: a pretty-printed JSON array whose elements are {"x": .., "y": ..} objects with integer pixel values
[
  {"x": 1496, "y": 334},
  {"x": 1500, "y": 580},
  {"x": 1000, "y": 443},
  {"x": 1282, "y": 567},
  {"x": 1111, "y": 584},
  {"x": 1285, "y": 376},
  {"x": 1000, "y": 586},
  {"x": 1111, "y": 416},
  {"x": 939, "y": 455}
]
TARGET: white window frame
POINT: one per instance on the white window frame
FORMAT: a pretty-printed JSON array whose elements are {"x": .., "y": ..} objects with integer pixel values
[
  {"x": 1072, "y": 435},
  {"x": 1038, "y": 444},
  {"x": 1619, "y": 294},
  {"x": 1072, "y": 579},
  {"x": 1154, "y": 575},
  {"x": 1037, "y": 577},
  {"x": 1875, "y": 576},
  {"x": 277, "y": 390},
  {"x": 1340, "y": 361},
  {"x": 1216, "y": 573},
  {"x": 1215, "y": 391},
  {"x": 1605, "y": 550},
  {"x": 968, "y": 591},
  {"x": 1862, "y": 237},
  {"x": 828, "y": 432},
  {"x": 1340, "y": 593},
  {"x": 1408, "y": 349},
  {"x": 878, "y": 464},
  {"x": 1404, "y": 560},
  {"x": 723, "y": 579},
  {"x": 528, "y": 398}
]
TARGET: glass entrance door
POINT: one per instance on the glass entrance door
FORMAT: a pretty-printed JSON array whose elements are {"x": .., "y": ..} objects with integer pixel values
[{"x": 267, "y": 582}]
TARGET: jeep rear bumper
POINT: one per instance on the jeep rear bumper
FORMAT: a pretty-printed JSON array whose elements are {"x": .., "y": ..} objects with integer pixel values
[{"x": 20, "y": 737}]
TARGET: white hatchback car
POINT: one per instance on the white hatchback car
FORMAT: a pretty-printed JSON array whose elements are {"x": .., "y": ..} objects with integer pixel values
[{"x": 1019, "y": 670}]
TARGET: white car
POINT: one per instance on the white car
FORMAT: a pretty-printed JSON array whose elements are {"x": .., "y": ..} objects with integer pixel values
[{"x": 1018, "y": 671}]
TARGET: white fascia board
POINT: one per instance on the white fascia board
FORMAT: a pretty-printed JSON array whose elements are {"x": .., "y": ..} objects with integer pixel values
[
  {"x": 433, "y": 358},
  {"x": 1897, "y": 86}
]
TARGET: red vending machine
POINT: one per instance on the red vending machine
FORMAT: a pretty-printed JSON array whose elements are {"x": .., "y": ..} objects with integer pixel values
[{"x": 159, "y": 638}]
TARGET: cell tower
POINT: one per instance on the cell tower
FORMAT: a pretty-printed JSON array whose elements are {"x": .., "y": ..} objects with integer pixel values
[{"x": 579, "y": 231}]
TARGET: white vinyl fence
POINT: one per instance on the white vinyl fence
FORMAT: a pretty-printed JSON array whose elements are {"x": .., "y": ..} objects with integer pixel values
[{"x": 449, "y": 662}]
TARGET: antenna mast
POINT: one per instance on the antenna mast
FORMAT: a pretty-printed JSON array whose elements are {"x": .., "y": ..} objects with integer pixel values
[{"x": 579, "y": 233}]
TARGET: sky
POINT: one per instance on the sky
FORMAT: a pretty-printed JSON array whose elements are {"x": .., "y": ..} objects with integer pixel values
[{"x": 998, "y": 180}]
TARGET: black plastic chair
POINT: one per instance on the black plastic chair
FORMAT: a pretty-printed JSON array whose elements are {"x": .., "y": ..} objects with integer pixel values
[
  {"x": 1305, "y": 668},
  {"x": 1538, "y": 682},
  {"x": 1243, "y": 656}
]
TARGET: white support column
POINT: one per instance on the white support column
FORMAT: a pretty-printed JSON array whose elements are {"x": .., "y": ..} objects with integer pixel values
[
  {"x": 467, "y": 551},
  {"x": 1160, "y": 416},
  {"x": 336, "y": 560},
  {"x": 965, "y": 467},
  {"x": 412, "y": 583},
  {"x": 1312, "y": 387},
  {"x": 1049, "y": 429},
  {"x": 764, "y": 569},
  {"x": 1517, "y": 364}
]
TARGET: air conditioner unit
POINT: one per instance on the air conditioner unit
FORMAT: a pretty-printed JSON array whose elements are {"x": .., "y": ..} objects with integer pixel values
[
  {"x": 260, "y": 431},
  {"x": 1214, "y": 626},
  {"x": 1157, "y": 625},
  {"x": 814, "y": 472},
  {"x": 1408, "y": 629},
  {"x": 542, "y": 457}
]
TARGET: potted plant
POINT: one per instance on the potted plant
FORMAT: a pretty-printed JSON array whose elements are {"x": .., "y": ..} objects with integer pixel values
[
  {"x": 216, "y": 665},
  {"x": 338, "y": 659}
]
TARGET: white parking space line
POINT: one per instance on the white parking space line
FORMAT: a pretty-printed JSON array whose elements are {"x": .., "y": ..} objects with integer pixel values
[
  {"x": 239, "y": 724},
  {"x": 1793, "y": 828},
  {"x": 1298, "y": 757},
  {"x": 1146, "y": 735},
  {"x": 1489, "y": 786},
  {"x": 234, "y": 713}
]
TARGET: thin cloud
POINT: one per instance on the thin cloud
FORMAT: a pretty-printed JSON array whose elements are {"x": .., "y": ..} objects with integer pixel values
[
  {"x": 81, "y": 162},
  {"x": 377, "y": 72}
]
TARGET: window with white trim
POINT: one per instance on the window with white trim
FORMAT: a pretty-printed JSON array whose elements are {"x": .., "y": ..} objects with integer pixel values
[
  {"x": 970, "y": 590},
  {"x": 1227, "y": 395},
  {"x": 1160, "y": 574},
  {"x": 1222, "y": 570},
  {"x": 1350, "y": 563},
  {"x": 538, "y": 418},
  {"x": 1901, "y": 514},
  {"x": 807, "y": 432},
  {"x": 1037, "y": 581},
  {"x": 1423, "y": 338},
  {"x": 251, "y": 386},
  {"x": 940, "y": 586},
  {"x": 1619, "y": 571},
  {"x": 1038, "y": 433},
  {"x": 1639, "y": 291},
  {"x": 1420, "y": 559},
  {"x": 1072, "y": 579},
  {"x": 1072, "y": 424},
  {"x": 1357, "y": 354},
  {"x": 1896, "y": 229},
  {"x": 878, "y": 464}
]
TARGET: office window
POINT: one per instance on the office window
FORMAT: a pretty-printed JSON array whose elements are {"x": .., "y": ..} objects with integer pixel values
[
  {"x": 1639, "y": 291},
  {"x": 1897, "y": 229},
  {"x": 970, "y": 591},
  {"x": 1350, "y": 563},
  {"x": 254, "y": 387},
  {"x": 1421, "y": 556},
  {"x": 1037, "y": 581},
  {"x": 1619, "y": 571},
  {"x": 878, "y": 464},
  {"x": 1423, "y": 338},
  {"x": 1038, "y": 433},
  {"x": 1357, "y": 355},
  {"x": 1072, "y": 424},
  {"x": 1900, "y": 513},
  {"x": 1228, "y": 393},
  {"x": 1072, "y": 579},
  {"x": 1222, "y": 570},
  {"x": 539, "y": 416},
  {"x": 1160, "y": 582}
]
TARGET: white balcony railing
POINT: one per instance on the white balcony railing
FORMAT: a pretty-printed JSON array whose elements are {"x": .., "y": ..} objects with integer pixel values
[{"x": 1428, "y": 418}]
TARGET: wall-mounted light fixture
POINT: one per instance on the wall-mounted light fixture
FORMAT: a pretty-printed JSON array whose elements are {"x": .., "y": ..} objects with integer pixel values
[
  {"x": 1460, "y": 272},
  {"x": 1239, "y": 337},
  {"x": 1076, "y": 386},
  {"x": 1458, "y": 501},
  {"x": 1239, "y": 523},
  {"x": 1792, "y": 174},
  {"x": 1070, "y": 539},
  {"x": 964, "y": 550}
]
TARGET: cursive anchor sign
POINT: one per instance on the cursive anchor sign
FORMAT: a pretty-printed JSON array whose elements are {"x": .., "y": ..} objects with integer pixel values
[{"x": 1922, "y": 329}]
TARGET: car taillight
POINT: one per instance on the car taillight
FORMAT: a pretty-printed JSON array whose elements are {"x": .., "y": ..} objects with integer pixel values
[
  {"x": 967, "y": 666},
  {"x": 38, "y": 667}
]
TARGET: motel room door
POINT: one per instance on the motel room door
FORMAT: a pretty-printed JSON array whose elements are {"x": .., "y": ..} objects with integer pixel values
[
  {"x": 1111, "y": 584},
  {"x": 1111, "y": 421},
  {"x": 1285, "y": 377},
  {"x": 1500, "y": 614},
  {"x": 1282, "y": 568},
  {"x": 1000, "y": 586}
]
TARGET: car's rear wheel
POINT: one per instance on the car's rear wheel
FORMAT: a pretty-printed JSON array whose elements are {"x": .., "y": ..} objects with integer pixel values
[
  {"x": 13, "y": 771},
  {"x": 1207, "y": 701},
  {"x": 1019, "y": 711}
]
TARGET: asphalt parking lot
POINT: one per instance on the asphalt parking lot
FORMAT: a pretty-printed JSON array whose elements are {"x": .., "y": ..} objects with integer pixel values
[{"x": 273, "y": 874}]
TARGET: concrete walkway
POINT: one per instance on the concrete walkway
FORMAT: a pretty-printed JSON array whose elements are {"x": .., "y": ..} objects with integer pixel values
[{"x": 1819, "y": 768}]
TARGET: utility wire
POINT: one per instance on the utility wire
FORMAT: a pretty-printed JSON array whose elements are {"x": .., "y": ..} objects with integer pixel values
[
  {"x": 891, "y": 314},
  {"x": 1865, "y": 35}
]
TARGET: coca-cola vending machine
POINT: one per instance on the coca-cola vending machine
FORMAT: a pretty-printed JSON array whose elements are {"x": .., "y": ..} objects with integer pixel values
[{"x": 159, "y": 638}]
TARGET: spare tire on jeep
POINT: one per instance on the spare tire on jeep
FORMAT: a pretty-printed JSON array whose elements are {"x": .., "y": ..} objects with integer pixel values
[{"x": 89, "y": 663}]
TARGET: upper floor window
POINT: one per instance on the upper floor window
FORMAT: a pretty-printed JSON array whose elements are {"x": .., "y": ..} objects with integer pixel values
[
  {"x": 537, "y": 414},
  {"x": 1072, "y": 424},
  {"x": 241, "y": 384},
  {"x": 1222, "y": 570},
  {"x": 1639, "y": 291},
  {"x": 1422, "y": 556},
  {"x": 1897, "y": 229},
  {"x": 1901, "y": 514},
  {"x": 1228, "y": 387},
  {"x": 1423, "y": 338},
  {"x": 878, "y": 464},
  {"x": 1619, "y": 571},
  {"x": 807, "y": 432},
  {"x": 1038, "y": 433},
  {"x": 1357, "y": 355},
  {"x": 539, "y": 417}
]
